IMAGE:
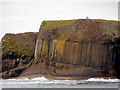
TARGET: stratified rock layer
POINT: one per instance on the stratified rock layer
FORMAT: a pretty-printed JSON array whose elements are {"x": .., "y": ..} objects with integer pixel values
[{"x": 90, "y": 43}]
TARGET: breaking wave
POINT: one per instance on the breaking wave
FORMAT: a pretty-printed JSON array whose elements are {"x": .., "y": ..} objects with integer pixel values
[{"x": 43, "y": 80}]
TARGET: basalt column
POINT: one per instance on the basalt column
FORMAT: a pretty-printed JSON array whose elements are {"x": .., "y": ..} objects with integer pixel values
[
  {"x": 89, "y": 43},
  {"x": 77, "y": 53}
]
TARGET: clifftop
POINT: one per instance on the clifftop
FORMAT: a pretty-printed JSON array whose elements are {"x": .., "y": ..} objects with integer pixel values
[
  {"x": 22, "y": 43},
  {"x": 59, "y": 23},
  {"x": 56, "y": 24},
  {"x": 95, "y": 30}
]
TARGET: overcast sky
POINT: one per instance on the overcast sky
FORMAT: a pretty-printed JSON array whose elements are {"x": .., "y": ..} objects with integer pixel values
[{"x": 17, "y": 16}]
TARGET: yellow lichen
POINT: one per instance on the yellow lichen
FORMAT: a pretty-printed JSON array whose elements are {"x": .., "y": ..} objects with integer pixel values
[{"x": 60, "y": 45}]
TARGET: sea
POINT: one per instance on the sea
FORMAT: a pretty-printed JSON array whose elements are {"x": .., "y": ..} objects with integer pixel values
[{"x": 42, "y": 82}]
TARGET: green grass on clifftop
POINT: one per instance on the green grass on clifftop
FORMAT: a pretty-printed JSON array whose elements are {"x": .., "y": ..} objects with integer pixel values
[
  {"x": 59, "y": 23},
  {"x": 102, "y": 20},
  {"x": 10, "y": 45},
  {"x": 55, "y": 24}
]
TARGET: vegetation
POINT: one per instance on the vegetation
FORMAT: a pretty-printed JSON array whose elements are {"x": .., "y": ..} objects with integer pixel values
[
  {"x": 101, "y": 20},
  {"x": 55, "y": 24},
  {"x": 10, "y": 45}
]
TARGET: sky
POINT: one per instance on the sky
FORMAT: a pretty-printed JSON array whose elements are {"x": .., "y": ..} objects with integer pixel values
[{"x": 18, "y": 16}]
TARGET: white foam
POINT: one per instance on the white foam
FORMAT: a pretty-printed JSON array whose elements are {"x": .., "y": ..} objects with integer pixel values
[
  {"x": 102, "y": 80},
  {"x": 40, "y": 78},
  {"x": 43, "y": 80},
  {"x": 37, "y": 78},
  {"x": 24, "y": 79}
]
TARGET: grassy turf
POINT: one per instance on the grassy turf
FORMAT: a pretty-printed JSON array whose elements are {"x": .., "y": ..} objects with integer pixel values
[
  {"x": 55, "y": 24},
  {"x": 101, "y": 20},
  {"x": 11, "y": 45}
]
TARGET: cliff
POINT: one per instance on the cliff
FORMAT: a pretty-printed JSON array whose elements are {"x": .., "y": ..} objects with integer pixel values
[
  {"x": 79, "y": 48},
  {"x": 91, "y": 46},
  {"x": 17, "y": 52}
]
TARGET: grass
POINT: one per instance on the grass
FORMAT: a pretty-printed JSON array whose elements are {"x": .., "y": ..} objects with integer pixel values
[
  {"x": 55, "y": 24},
  {"x": 101, "y": 20},
  {"x": 59, "y": 23},
  {"x": 11, "y": 45}
]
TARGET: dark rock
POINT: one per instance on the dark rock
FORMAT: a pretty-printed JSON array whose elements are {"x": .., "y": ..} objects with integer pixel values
[
  {"x": 17, "y": 51},
  {"x": 82, "y": 48},
  {"x": 90, "y": 43}
]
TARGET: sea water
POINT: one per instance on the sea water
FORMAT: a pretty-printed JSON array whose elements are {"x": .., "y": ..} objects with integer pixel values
[{"x": 42, "y": 82}]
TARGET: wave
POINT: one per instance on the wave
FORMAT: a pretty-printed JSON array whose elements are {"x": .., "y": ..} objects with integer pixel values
[
  {"x": 40, "y": 78},
  {"x": 43, "y": 80},
  {"x": 102, "y": 80}
]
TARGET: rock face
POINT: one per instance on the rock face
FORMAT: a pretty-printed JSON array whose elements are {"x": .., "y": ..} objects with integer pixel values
[
  {"x": 17, "y": 52},
  {"x": 70, "y": 48},
  {"x": 84, "y": 43}
]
